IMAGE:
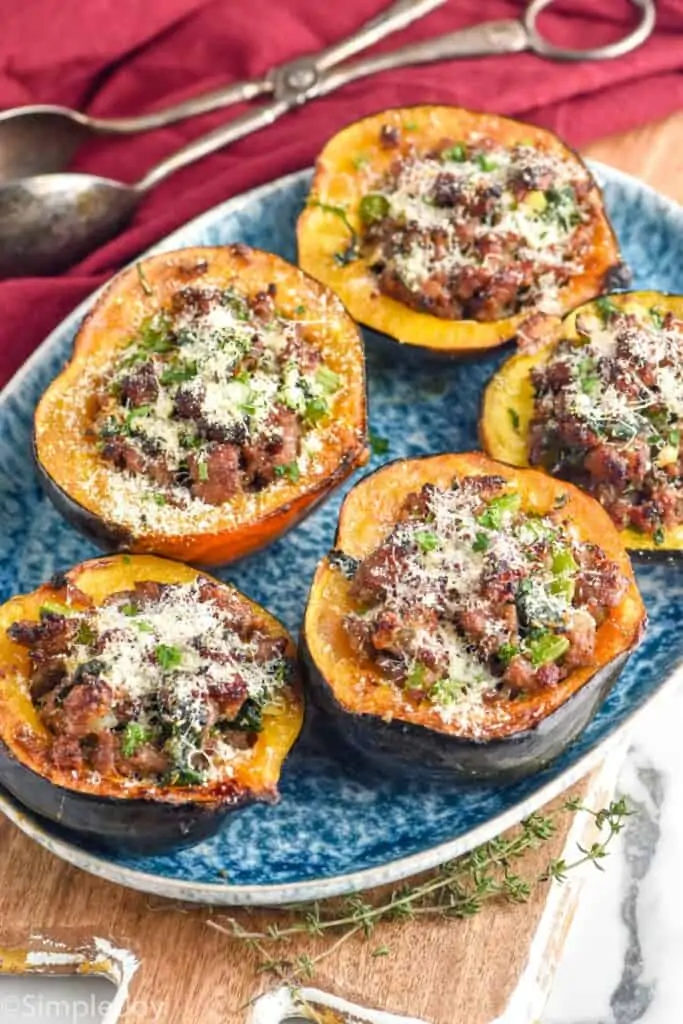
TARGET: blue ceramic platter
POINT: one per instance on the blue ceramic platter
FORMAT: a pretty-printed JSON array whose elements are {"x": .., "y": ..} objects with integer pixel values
[{"x": 333, "y": 831}]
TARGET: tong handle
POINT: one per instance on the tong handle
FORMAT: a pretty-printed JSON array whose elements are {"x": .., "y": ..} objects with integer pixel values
[
  {"x": 393, "y": 18},
  {"x": 251, "y": 121},
  {"x": 508, "y": 36}
]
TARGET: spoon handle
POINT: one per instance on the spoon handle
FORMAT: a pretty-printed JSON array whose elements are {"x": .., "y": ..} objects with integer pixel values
[
  {"x": 238, "y": 92},
  {"x": 219, "y": 137}
]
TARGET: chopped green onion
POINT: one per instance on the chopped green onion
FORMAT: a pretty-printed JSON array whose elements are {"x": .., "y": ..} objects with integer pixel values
[
  {"x": 415, "y": 679},
  {"x": 373, "y": 207},
  {"x": 657, "y": 317},
  {"x": 316, "y": 410},
  {"x": 481, "y": 542},
  {"x": 547, "y": 648},
  {"x": 606, "y": 308},
  {"x": 203, "y": 471},
  {"x": 564, "y": 562},
  {"x": 167, "y": 657},
  {"x": 492, "y": 517},
  {"x": 658, "y": 536},
  {"x": 86, "y": 634},
  {"x": 506, "y": 652},
  {"x": 426, "y": 540},
  {"x": 134, "y": 735},
  {"x": 328, "y": 380},
  {"x": 140, "y": 410},
  {"x": 300, "y": 309},
  {"x": 563, "y": 567},
  {"x": 290, "y": 470},
  {"x": 588, "y": 375},
  {"x": 179, "y": 374},
  {"x": 457, "y": 153},
  {"x": 514, "y": 418},
  {"x": 563, "y": 586},
  {"x": 129, "y": 609},
  {"x": 360, "y": 161},
  {"x": 485, "y": 162},
  {"x": 56, "y": 608},
  {"x": 448, "y": 691}
]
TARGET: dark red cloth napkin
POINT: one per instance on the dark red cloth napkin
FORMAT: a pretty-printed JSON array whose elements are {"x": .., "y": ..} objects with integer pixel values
[{"x": 116, "y": 57}]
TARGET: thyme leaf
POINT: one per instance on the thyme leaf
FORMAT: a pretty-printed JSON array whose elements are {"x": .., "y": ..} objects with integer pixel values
[{"x": 458, "y": 889}]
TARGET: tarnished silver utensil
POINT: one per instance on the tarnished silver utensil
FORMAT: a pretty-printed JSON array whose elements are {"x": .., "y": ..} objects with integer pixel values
[
  {"x": 41, "y": 139},
  {"x": 50, "y": 221}
]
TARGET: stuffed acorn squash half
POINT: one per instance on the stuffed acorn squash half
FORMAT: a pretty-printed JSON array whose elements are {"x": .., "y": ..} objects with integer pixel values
[
  {"x": 598, "y": 400},
  {"x": 214, "y": 396},
  {"x": 471, "y": 618},
  {"x": 142, "y": 701},
  {"x": 446, "y": 229}
]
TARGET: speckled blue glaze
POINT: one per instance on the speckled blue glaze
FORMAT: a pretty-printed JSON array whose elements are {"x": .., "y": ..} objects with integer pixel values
[{"x": 332, "y": 831}]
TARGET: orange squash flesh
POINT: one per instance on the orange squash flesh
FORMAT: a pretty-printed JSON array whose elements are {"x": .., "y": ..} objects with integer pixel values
[
  {"x": 357, "y": 687},
  {"x": 84, "y": 489},
  {"x": 346, "y": 169},
  {"x": 25, "y": 741},
  {"x": 511, "y": 389}
]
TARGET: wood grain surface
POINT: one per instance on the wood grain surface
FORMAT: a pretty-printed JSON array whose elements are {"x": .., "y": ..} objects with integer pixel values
[
  {"x": 461, "y": 972},
  {"x": 172, "y": 967}
]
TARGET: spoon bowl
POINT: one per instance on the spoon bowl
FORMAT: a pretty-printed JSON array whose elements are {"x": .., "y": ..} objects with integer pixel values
[
  {"x": 39, "y": 140},
  {"x": 51, "y": 221}
]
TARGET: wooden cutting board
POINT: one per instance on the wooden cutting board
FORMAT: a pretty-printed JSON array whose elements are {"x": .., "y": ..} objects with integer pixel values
[{"x": 171, "y": 966}]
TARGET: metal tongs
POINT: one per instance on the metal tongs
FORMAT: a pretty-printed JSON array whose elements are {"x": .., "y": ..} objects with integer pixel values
[{"x": 48, "y": 221}]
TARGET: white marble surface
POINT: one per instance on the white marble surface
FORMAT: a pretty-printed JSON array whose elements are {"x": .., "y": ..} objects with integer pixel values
[
  {"x": 624, "y": 957},
  {"x": 623, "y": 962}
]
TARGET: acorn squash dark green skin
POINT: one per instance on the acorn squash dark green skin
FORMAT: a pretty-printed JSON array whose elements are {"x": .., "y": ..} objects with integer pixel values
[
  {"x": 112, "y": 538},
  {"x": 106, "y": 536},
  {"x": 107, "y": 809},
  {"x": 137, "y": 825},
  {"x": 368, "y": 718},
  {"x": 401, "y": 749}
]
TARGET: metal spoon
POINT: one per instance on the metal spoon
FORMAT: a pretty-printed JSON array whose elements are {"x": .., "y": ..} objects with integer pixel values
[
  {"x": 43, "y": 138},
  {"x": 50, "y": 221}
]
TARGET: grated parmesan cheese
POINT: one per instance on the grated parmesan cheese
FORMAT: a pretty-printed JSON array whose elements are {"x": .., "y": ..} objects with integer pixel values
[
  {"x": 445, "y": 557},
  {"x": 542, "y": 239},
  {"x": 210, "y": 348},
  {"x": 179, "y": 645}
]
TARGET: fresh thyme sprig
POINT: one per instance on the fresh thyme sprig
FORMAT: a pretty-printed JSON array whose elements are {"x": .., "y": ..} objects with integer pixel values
[{"x": 458, "y": 889}]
